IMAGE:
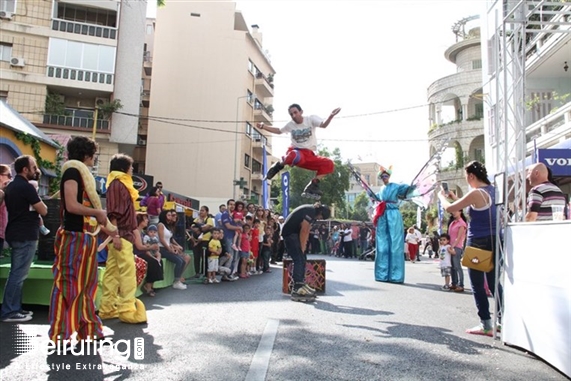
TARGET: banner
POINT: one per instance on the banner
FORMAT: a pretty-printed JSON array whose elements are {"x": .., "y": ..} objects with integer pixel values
[
  {"x": 559, "y": 160},
  {"x": 265, "y": 183},
  {"x": 285, "y": 194}
]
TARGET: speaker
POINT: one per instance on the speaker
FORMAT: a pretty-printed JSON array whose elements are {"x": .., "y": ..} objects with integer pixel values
[{"x": 52, "y": 221}]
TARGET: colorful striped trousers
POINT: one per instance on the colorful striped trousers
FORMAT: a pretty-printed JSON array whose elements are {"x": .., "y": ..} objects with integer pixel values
[{"x": 72, "y": 305}]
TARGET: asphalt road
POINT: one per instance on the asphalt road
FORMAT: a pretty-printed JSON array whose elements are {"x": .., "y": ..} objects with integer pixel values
[{"x": 248, "y": 330}]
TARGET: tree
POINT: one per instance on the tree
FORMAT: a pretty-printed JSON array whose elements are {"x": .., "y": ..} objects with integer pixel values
[
  {"x": 359, "y": 211},
  {"x": 408, "y": 211},
  {"x": 161, "y": 3}
]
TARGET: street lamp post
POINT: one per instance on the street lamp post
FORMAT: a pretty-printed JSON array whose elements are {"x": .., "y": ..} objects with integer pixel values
[{"x": 237, "y": 160}]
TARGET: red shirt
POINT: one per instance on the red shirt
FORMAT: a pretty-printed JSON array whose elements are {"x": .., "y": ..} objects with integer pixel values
[
  {"x": 245, "y": 243},
  {"x": 120, "y": 206}
]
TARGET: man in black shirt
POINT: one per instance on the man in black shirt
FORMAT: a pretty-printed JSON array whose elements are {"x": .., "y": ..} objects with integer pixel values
[
  {"x": 295, "y": 232},
  {"x": 22, "y": 233}
]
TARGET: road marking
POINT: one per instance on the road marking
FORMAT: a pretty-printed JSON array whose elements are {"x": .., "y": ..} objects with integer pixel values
[{"x": 261, "y": 360}]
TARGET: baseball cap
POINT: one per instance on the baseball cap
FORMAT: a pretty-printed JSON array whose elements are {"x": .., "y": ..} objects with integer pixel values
[{"x": 152, "y": 228}]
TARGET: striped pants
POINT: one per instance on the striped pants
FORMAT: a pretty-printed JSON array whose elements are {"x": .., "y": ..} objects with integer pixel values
[{"x": 72, "y": 305}]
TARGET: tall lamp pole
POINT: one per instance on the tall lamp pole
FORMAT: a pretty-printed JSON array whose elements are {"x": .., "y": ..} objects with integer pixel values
[{"x": 237, "y": 160}]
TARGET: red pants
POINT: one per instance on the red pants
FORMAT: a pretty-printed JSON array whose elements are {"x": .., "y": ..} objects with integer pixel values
[
  {"x": 412, "y": 250},
  {"x": 307, "y": 159}
]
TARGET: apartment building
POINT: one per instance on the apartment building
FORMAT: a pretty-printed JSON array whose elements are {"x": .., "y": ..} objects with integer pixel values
[
  {"x": 211, "y": 84},
  {"x": 66, "y": 64},
  {"x": 456, "y": 108},
  {"x": 370, "y": 172},
  {"x": 527, "y": 90}
]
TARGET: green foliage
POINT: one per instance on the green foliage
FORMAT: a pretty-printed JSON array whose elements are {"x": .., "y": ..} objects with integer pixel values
[
  {"x": 359, "y": 211},
  {"x": 54, "y": 104},
  {"x": 161, "y": 3},
  {"x": 36, "y": 149},
  {"x": 108, "y": 108},
  {"x": 333, "y": 185}
]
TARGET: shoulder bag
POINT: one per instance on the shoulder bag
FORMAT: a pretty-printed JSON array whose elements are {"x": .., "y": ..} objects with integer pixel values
[{"x": 479, "y": 259}]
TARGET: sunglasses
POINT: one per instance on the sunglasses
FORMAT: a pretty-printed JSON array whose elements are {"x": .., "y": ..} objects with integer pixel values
[{"x": 385, "y": 176}]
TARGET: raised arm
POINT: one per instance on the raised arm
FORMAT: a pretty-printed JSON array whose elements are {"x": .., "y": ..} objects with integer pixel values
[
  {"x": 273, "y": 130},
  {"x": 326, "y": 122}
]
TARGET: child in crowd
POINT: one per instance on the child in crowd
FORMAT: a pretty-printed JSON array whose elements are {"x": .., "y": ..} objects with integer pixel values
[
  {"x": 43, "y": 229},
  {"x": 151, "y": 238},
  {"x": 244, "y": 251},
  {"x": 446, "y": 250},
  {"x": 238, "y": 217},
  {"x": 255, "y": 247},
  {"x": 267, "y": 249},
  {"x": 214, "y": 251}
]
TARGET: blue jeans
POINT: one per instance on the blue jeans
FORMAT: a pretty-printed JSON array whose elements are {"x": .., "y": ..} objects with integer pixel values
[
  {"x": 176, "y": 259},
  {"x": 293, "y": 247},
  {"x": 234, "y": 253},
  {"x": 478, "y": 278},
  {"x": 457, "y": 272},
  {"x": 364, "y": 245},
  {"x": 23, "y": 253}
]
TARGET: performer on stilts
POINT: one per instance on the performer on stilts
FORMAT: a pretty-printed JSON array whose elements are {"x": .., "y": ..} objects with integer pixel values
[
  {"x": 389, "y": 260},
  {"x": 301, "y": 153}
]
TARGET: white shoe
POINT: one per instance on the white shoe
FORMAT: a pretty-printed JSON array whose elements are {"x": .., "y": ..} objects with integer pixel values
[
  {"x": 178, "y": 285},
  {"x": 216, "y": 280},
  {"x": 210, "y": 280}
]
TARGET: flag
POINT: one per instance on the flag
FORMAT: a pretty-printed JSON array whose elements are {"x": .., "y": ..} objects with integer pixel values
[{"x": 265, "y": 184}]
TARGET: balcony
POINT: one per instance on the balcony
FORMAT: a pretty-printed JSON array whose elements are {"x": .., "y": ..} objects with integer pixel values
[
  {"x": 82, "y": 77},
  {"x": 84, "y": 29},
  {"x": 148, "y": 63},
  {"x": 264, "y": 88},
  {"x": 257, "y": 176},
  {"x": 262, "y": 113},
  {"x": 75, "y": 122},
  {"x": 550, "y": 129},
  {"x": 146, "y": 98}
]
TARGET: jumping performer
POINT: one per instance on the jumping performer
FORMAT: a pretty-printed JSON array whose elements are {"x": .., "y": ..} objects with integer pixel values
[
  {"x": 296, "y": 233},
  {"x": 301, "y": 153}
]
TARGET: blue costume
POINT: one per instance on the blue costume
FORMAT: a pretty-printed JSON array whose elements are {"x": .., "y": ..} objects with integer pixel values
[{"x": 389, "y": 260}]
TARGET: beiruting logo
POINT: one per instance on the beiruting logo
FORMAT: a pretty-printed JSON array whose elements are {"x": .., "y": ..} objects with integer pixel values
[{"x": 127, "y": 349}]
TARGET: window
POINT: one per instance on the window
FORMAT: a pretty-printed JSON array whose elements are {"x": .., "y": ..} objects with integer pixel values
[
  {"x": 250, "y": 97},
  {"x": 8, "y": 6},
  {"x": 149, "y": 29},
  {"x": 77, "y": 13},
  {"x": 79, "y": 55},
  {"x": 247, "y": 160},
  {"x": 251, "y": 66},
  {"x": 256, "y": 166},
  {"x": 479, "y": 110},
  {"x": 5, "y": 52},
  {"x": 249, "y": 129},
  {"x": 476, "y": 64}
]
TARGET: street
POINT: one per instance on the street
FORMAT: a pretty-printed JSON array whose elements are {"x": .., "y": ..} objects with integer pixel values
[{"x": 248, "y": 330}]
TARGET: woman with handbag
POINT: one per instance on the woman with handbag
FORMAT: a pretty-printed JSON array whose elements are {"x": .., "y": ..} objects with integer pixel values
[{"x": 481, "y": 235}]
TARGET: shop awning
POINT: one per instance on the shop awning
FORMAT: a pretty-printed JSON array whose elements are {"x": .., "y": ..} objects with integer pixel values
[{"x": 12, "y": 120}]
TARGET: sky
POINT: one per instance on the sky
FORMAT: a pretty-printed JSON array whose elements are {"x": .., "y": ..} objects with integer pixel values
[{"x": 374, "y": 59}]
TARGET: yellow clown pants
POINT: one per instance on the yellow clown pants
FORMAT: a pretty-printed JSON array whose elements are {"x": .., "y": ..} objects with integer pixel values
[{"x": 120, "y": 285}]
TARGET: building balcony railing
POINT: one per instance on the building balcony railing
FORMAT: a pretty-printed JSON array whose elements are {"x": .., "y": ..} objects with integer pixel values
[
  {"x": 261, "y": 113},
  {"x": 79, "y": 75},
  {"x": 549, "y": 129},
  {"x": 264, "y": 88},
  {"x": 84, "y": 29},
  {"x": 75, "y": 122},
  {"x": 257, "y": 176}
]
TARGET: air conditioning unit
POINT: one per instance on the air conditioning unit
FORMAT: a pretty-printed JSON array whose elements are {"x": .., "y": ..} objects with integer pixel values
[
  {"x": 100, "y": 101},
  {"x": 142, "y": 142},
  {"x": 17, "y": 61},
  {"x": 6, "y": 15}
]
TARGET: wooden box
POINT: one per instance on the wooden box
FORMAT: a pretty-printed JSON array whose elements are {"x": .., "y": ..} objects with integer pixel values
[{"x": 314, "y": 275}]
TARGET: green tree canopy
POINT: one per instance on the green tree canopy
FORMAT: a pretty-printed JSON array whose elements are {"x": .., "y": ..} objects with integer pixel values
[{"x": 359, "y": 210}]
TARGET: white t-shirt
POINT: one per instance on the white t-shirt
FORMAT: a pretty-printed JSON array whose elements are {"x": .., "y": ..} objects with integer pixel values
[
  {"x": 411, "y": 238},
  {"x": 347, "y": 236},
  {"x": 303, "y": 135},
  {"x": 445, "y": 257}
]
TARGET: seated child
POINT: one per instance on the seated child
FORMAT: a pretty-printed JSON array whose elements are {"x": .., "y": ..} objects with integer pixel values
[
  {"x": 446, "y": 250},
  {"x": 152, "y": 238}
]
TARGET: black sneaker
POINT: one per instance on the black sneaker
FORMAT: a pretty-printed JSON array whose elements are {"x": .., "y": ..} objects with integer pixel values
[
  {"x": 17, "y": 318},
  {"x": 274, "y": 170},
  {"x": 312, "y": 191}
]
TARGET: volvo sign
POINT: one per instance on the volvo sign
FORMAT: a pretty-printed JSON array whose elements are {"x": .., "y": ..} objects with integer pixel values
[{"x": 558, "y": 160}]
